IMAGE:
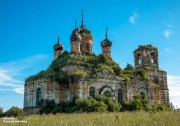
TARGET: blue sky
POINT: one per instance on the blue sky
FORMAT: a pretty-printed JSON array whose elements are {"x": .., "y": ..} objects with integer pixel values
[{"x": 28, "y": 32}]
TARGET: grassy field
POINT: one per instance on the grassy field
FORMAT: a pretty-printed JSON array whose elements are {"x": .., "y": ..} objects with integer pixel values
[{"x": 102, "y": 119}]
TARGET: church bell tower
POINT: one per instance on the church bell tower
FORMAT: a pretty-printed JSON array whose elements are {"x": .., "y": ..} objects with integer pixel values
[
  {"x": 106, "y": 45},
  {"x": 146, "y": 56}
]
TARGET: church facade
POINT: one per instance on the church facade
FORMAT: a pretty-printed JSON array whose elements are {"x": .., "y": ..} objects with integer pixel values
[{"x": 154, "y": 89}]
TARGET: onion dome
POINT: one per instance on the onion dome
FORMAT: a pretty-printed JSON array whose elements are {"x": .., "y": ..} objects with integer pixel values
[
  {"x": 75, "y": 36},
  {"x": 80, "y": 32},
  {"x": 83, "y": 29},
  {"x": 85, "y": 33},
  {"x": 106, "y": 42},
  {"x": 58, "y": 46}
]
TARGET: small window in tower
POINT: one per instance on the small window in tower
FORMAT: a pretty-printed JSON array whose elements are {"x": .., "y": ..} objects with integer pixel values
[
  {"x": 139, "y": 59},
  {"x": 152, "y": 58},
  {"x": 92, "y": 92},
  {"x": 38, "y": 95}
]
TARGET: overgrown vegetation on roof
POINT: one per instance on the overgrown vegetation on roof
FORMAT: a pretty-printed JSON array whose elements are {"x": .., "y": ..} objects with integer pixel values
[
  {"x": 147, "y": 47},
  {"x": 88, "y": 36},
  {"x": 91, "y": 63}
]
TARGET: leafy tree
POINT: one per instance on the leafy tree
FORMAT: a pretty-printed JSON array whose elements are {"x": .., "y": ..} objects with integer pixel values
[
  {"x": 127, "y": 106},
  {"x": 102, "y": 59},
  {"x": 90, "y": 105},
  {"x": 111, "y": 105},
  {"x": 138, "y": 103},
  {"x": 64, "y": 107},
  {"x": 129, "y": 67},
  {"x": 14, "y": 112}
]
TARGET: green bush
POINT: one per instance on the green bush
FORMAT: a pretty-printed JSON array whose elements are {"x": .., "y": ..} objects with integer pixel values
[
  {"x": 111, "y": 105},
  {"x": 14, "y": 112},
  {"x": 100, "y": 104},
  {"x": 57, "y": 109},
  {"x": 97, "y": 104},
  {"x": 160, "y": 107},
  {"x": 138, "y": 103},
  {"x": 48, "y": 106},
  {"x": 127, "y": 106},
  {"x": 63, "y": 107},
  {"x": 90, "y": 105}
]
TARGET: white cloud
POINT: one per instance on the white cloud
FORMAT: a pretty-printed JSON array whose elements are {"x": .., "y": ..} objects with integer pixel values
[
  {"x": 168, "y": 33},
  {"x": 19, "y": 90},
  {"x": 174, "y": 89},
  {"x": 132, "y": 18},
  {"x": 11, "y": 70},
  {"x": 168, "y": 29}
]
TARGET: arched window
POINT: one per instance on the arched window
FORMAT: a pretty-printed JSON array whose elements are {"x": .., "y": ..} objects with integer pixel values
[
  {"x": 152, "y": 58},
  {"x": 38, "y": 95},
  {"x": 92, "y": 92},
  {"x": 120, "y": 95},
  {"x": 139, "y": 58},
  {"x": 107, "y": 94}
]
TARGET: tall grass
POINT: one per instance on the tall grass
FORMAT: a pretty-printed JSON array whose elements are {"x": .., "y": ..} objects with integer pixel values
[{"x": 102, "y": 119}]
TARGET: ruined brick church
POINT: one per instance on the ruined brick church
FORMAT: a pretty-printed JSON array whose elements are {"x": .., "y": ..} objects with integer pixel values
[{"x": 154, "y": 89}]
